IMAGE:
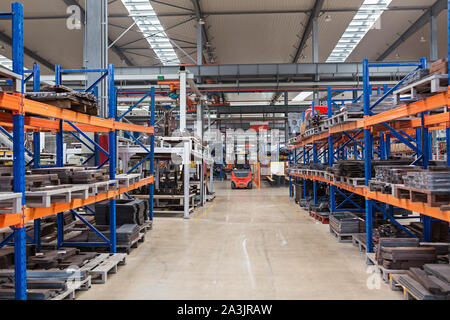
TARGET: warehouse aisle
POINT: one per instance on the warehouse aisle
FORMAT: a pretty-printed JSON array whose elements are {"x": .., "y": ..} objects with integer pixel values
[{"x": 247, "y": 244}]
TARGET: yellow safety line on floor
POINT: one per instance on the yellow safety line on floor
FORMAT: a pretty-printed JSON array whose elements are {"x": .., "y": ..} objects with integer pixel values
[{"x": 206, "y": 211}]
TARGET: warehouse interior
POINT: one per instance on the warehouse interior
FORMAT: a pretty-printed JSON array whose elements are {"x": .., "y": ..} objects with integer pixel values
[{"x": 224, "y": 150}]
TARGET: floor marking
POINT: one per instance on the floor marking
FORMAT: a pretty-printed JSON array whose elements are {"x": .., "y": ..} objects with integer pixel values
[
  {"x": 247, "y": 258},
  {"x": 206, "y": 211}
]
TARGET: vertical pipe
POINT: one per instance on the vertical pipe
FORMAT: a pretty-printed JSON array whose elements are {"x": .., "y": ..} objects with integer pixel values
[
  {"x": 433, "y": 36},
  {"x": 199, "y": 44},
  {"x": 315, "y": 40},
  {"x": 112, "y": 114},
  {"x": 183, "y": 100},
  {"x": 186, "y": 161},
  {"x": 152, "y": 157}
]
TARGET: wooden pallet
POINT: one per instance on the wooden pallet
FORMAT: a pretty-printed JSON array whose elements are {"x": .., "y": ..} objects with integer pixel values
[
  {"x": 322, "y": 219},
  {"x": 423, "y": 88},
  {"x": 10, "y": 202},
  {"x": 39, "y": 199},
  {"x": 344, "y": 117},
  {"x": 126, "y": 180},
  {"x": 104, "y": 264},
  {"x": 385, "y": 273},
  {"x": 433, "y": 198},
  {"x": 342, "y": 237},
  {"x": 355, "y": 182},
  {"x": 73, "y": 288},
  {"x": 358, "y": 243}
]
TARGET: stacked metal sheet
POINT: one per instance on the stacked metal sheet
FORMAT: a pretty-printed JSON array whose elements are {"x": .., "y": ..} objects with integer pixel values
[
  {"x": 61, "y": 258},
  {"x": 127, "y": 212},
  {"x": 66, "y": 98},
  {"x": 346, "y": 223},
  {"x": 348, "y": 168},
  {"x": 429, "y": 180},
  {"x": 32, "y": 182},
  {"x": 387, "y": 104},
  {"x": 125, "y": 234},
  {"x": 430, "y": 283},
  {"x": 76, "y": 175},
  {"x": 403, "y": 253},
  {"x": 394, "y": 174}
]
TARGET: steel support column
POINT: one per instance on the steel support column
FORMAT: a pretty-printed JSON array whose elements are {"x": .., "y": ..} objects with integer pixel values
[{"x": 95, "y": 51}]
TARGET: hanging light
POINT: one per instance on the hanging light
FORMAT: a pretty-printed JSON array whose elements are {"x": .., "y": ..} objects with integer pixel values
[
  {"x": 328, "y": 18},
  {"x": 422, "y": 39}
]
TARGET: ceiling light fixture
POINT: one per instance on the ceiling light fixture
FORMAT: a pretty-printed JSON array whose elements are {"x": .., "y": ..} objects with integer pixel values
[
  {"x": 152, "y": 30},
  {"x": 422, "y": 39},
  {"x": 328, "y": 18},
  {"x": 302, "y": 96},
  {"x": 369, "y": 12}
]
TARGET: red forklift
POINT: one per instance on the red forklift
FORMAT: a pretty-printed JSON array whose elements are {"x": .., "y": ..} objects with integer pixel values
[{"x": 241, "y": 175}]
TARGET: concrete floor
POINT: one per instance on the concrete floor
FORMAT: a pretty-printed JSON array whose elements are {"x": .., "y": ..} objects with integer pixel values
[{"x": 247, "y": 244}]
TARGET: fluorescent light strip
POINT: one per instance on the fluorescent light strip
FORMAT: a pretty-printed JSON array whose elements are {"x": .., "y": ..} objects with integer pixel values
[
  {"x": 5, "y": 62},
  {"x": 147, "y": 21},
  {"x": 369, "y": 12},
  {"x": 302, "y": 96}
]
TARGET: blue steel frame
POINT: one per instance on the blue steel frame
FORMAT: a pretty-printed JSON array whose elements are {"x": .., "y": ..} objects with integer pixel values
[
  {"x": 108, "y": 75},
  {"x": 335, "y": 154},
  {"x": 20, "y": 276},
  {"x": 18, "y": 137},
  {"x": 368, "y": 139}
]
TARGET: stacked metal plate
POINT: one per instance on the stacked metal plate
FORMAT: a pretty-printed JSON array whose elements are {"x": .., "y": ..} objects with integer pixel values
[
  {"x": 125, "y": 234},
  {"x": 127, "y": 212},
  {"x": 346, "y": 223},
  {"x": 428, "y": 180}
]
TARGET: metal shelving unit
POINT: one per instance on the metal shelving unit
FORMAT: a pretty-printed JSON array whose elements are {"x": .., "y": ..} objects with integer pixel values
[
  {"x": 373, "y": 135},
  {"x": 32, "y": 116}
]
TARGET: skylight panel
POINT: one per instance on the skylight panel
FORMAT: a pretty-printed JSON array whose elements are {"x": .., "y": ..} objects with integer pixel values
[
  {"x": 369, "y": 12},
  {"x": 5, "y": 62},
  {"x": 147, "y": 21}
]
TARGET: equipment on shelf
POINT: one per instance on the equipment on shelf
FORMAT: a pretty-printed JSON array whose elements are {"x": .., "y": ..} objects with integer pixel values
[{"x": 66, "y": 98}]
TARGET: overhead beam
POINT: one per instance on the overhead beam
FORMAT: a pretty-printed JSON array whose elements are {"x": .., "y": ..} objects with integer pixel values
[
  {"x": 114, "y": 48},
  {"x": 226, "y": 13},
  {"x": 308, "y": 28},
  {"x": 30, "y": 53},
  {"x": 425, "y": 18},
  {"x": 314, "y": 14},
  {"x": 347, "y": 69},
  {"x": 257, "y": 109},
  {"x": 199, "y": 15}
]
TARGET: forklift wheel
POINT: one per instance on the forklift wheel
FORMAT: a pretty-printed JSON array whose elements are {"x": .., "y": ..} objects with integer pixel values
[
  {"x": 233, "y": 186},
  {"x": 250, "y": 186}
]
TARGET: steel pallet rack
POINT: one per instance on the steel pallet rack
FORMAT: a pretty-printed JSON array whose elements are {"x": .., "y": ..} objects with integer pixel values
[
  {"x": 32, "y": 116},
  {"x": 381, "y": 128}
]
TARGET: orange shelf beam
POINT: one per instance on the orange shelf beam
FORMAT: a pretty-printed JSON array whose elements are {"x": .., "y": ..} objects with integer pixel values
[
  {"x": 433, "y": 122},
  {"x": 16, "y": 103},
  {"x": 419, "y": 207},
  {"x": 431, "y": 103},
  {"x": 30, "y": 214}
]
